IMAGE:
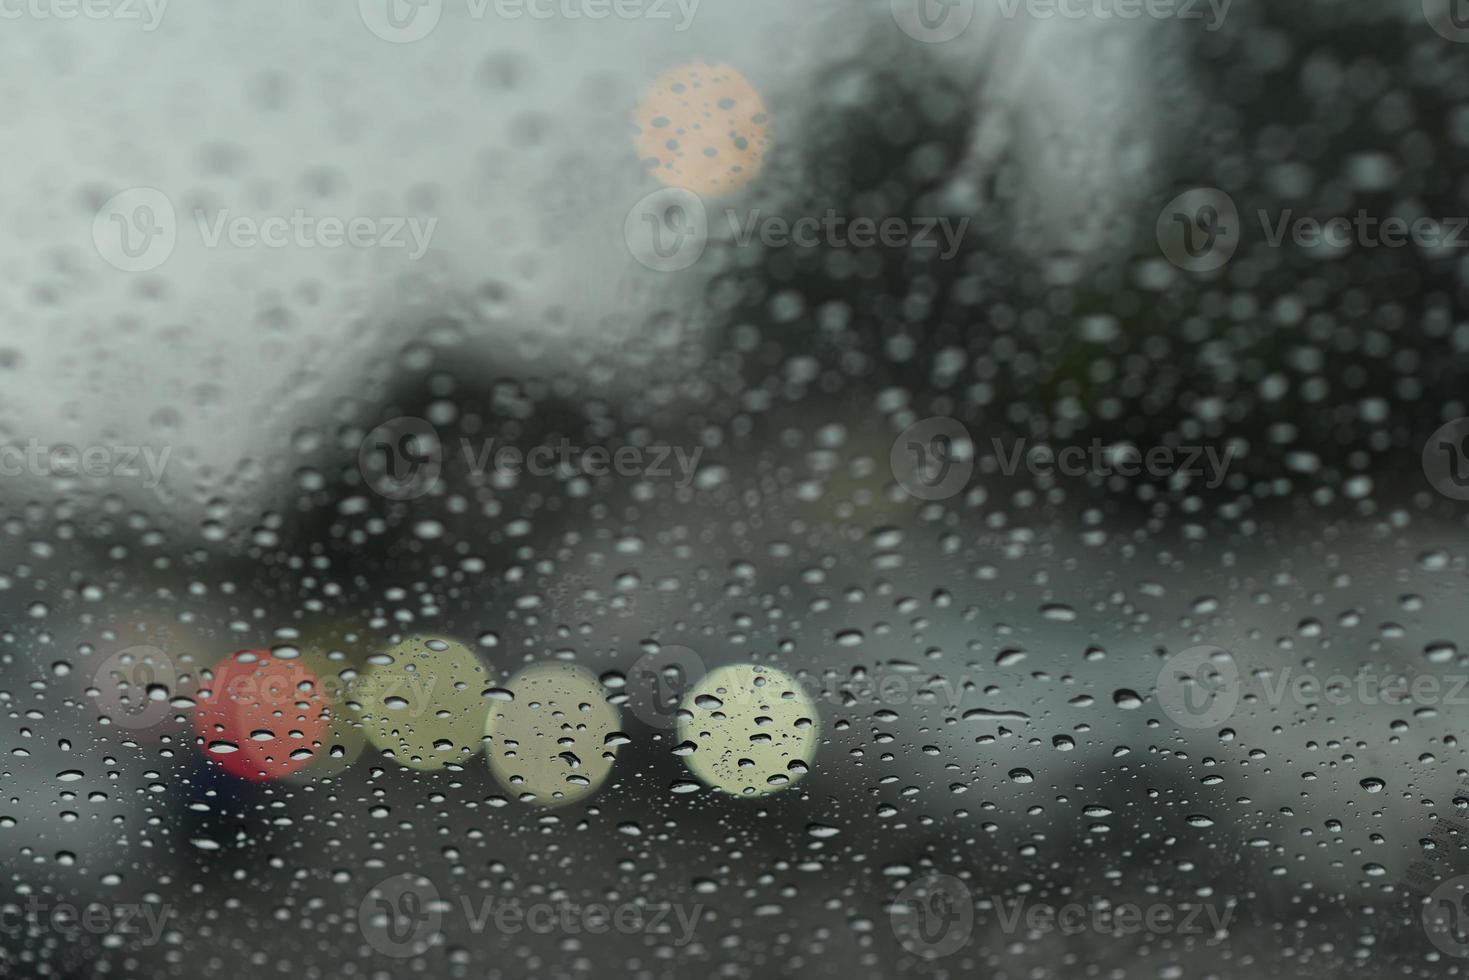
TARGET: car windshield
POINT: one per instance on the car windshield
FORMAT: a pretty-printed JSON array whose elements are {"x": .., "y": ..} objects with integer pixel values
[{"x": 734, "y": 488}]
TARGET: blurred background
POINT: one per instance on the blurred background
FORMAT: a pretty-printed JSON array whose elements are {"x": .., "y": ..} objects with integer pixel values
[{"x": 810, "y": 657}]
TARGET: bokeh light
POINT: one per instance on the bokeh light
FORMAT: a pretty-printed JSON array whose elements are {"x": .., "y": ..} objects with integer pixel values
[
  {"x": 755, "y": 729},
  {"x": 704, "y": 128},
  {"x": 555, "y": 742},
  {"x": 260, "y": 717},
  {"x": 336, "y": 650},
  {"x": 422, "y": 701}
]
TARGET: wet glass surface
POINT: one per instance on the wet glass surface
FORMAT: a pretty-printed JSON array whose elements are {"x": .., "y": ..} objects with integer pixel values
[{"x": 660, "y": 488}]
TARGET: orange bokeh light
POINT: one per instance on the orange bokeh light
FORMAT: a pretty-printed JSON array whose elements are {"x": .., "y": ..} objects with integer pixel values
[
  {"x": 261, "y": 717},
  {"x": 704, "y": 128}
]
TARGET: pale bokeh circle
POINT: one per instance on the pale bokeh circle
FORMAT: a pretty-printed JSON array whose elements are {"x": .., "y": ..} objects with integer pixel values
[
  {"x": 336, "y": 651},
  {"x": 704, "y": 128},
  {"x": 426, "y": 706},
  {"x": 551, "y": 745},
  {"x": 754, "y": 727}
]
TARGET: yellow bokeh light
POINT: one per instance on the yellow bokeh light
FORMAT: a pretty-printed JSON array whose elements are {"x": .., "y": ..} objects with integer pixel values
[
  {"x": 754, "y": 728},
  {"x": 551, "y": 744},
  {"x": 426, "y": 704},
  {"x": 704, "y": 128},
  {"x": 336, "y": 652}
]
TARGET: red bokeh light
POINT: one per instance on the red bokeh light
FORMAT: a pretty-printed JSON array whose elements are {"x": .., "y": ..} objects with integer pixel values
[{"x": 267, "y": 708}]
